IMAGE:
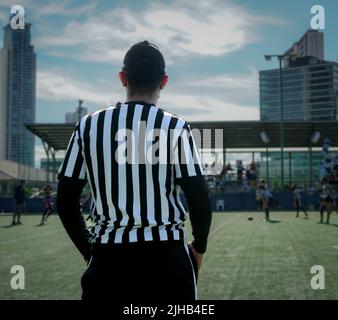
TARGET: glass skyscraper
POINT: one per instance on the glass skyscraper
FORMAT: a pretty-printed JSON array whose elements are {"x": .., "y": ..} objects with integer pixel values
[
  {"x": 310, "y": 91},
  {"x": 18, "y": 85}
]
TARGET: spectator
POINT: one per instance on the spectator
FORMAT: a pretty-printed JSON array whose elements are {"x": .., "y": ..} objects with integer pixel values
[
  {"x": 240, "y": 170},
  {"x": 228, "y": 168},
  {"x": 252, "y": 166}
]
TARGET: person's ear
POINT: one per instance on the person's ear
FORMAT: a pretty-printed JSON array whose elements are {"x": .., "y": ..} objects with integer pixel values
[
  {"x": 164, "y": 81},
  {"x": 123, "y": 78}
]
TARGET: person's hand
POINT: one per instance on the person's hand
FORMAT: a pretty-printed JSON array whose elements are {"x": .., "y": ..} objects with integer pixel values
[{"x": 198, "y": 256}]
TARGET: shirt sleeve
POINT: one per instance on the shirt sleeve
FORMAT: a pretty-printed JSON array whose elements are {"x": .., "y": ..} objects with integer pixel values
[
  {"x": 187, "y": 159},
  {"x": 73, "y": 165}
]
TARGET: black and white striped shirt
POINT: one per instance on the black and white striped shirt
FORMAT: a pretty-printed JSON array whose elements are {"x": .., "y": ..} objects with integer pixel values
[{"x": 133, "y": 156}]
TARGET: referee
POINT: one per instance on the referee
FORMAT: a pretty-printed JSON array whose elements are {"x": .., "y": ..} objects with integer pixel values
[{"x": 137, "y": 158}]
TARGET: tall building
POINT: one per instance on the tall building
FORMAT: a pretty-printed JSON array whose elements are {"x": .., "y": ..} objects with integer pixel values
[
  {"x": 3, "y": 104},
  {"x": 310, "y": 44},
  {"x": 310, "y": 91},
  {"x": 73, "y": 117},
  {"x": 17, "y": 100}
]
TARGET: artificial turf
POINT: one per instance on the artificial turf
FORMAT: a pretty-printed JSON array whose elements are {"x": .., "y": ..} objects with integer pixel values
[{"x": 245, "y": 259}]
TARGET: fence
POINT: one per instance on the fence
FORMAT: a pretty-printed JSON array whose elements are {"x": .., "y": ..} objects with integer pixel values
[{"x": 240, "y": 201}]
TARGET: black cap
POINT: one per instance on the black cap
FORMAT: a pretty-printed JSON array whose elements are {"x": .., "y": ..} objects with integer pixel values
[{"x": 144, "y": 61}]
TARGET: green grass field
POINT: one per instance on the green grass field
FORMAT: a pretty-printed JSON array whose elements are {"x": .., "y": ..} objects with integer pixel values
[{"x": 245, "y": 259}]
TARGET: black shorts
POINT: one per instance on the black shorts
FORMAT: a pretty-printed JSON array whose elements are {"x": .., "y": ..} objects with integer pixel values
[{"x": 141, "y": 272}]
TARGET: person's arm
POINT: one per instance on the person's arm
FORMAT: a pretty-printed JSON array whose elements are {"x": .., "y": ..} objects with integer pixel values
[
  {"x": 196, "y": 192},
  {"x": 69, "y": 209},
  {"x": 190, "y": 176},
  {"x": 72, "y": 179}
]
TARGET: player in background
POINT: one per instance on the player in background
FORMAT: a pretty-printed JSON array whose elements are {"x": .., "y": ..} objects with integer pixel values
[
  {"x": 47, "y": 204},
  {"x": 297, "y": 201},
  {"x": 327, "y": 200},
  {"x": 19, "y": 202},
  {"x": 263, "y": 196}
]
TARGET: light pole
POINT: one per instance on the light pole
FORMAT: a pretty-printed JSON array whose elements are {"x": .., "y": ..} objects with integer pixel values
[
  {"x": 266, "y": 139},
  {"x": 280, "y": 58}
]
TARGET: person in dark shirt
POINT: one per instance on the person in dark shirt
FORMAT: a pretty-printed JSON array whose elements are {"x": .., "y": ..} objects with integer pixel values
[{"x": 19, "y": 202}]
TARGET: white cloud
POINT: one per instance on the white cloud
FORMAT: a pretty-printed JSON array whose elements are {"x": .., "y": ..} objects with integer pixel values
[
  {"x": 204, "y": 108},
  {"x": 213, "y": 98},
  {"x": 224, "y": 85},
  {"x": 56, "y": 86},
  {"x": 183, "y": 28},
  {"x": 221, "y": 97}
]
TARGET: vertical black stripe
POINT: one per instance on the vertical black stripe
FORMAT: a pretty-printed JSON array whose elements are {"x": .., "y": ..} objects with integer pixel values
[
  {"x": 129, "y": 174},
  {"x": 181, "y": 157},
  {"x": 79, "y": 158},
  {"x": 101, "y": 170},
  {"x": 156, "y": 184},
  {"x": 169, "y": 176},
  {"x": 184, "y": 174},
  {"x": 66, "y": 160},
  {"x": 177, "y": 199},
  {"x": 88, "y": 159},
  {"x": 194, "y": 155},
  {"x": 142, "y": 173},
  {"x": 180, "y": 231},
  {"x": 115, "y": 172},
  {"x": 78, "y": 166}
]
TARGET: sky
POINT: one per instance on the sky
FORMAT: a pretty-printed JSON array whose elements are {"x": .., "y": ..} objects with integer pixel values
[{"x": 214, "y": 50}]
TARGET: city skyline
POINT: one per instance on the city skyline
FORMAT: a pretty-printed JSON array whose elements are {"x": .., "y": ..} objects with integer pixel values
[
  {"x": 214, "y": 51},
  {"x": 206, "y": 70}
]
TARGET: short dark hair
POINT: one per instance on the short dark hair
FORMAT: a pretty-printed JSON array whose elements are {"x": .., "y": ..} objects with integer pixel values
[{"x": 144, "y": 66}]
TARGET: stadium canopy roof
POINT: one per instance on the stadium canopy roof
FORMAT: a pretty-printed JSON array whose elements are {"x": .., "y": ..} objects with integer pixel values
[
  {"x": 4, "y": 176},
  {"x": 55, "y": 135},
  {"x": 248, "y": 134},
  {"x": 235, "y": 134}
]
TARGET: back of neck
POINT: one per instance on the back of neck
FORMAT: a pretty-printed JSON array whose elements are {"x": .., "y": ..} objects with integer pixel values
[{"x": 147, "y": 99}]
